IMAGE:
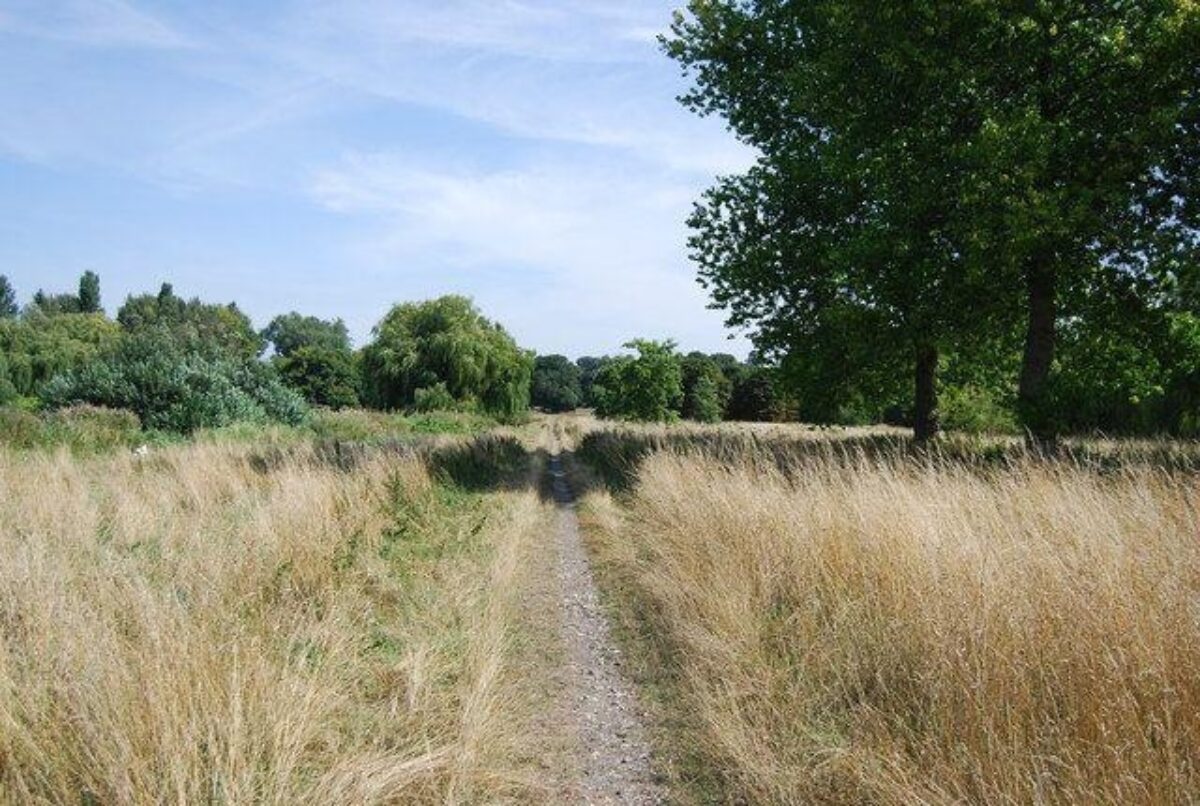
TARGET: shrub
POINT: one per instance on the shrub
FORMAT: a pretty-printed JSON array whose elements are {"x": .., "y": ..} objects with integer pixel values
[
  {"x": 434, "y": 398},
  {"x": 179, "y": 392},
  {"x": 84, "y": 429},
  {"x": 974, "y": 410}
]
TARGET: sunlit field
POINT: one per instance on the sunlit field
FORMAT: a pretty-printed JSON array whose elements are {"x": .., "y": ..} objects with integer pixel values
[
  {"x": 854, "y": 622},
  {"x": 220, "y": 622}
]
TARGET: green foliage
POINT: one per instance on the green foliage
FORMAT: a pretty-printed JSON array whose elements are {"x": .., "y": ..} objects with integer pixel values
[
  {"x": 89, "y": 293},
  {"x": 8, "y": 390},
  {"x": 556, "y": 384},
  {"x": 975, "y": 410},
  {"x": 706, "y": 389},
  {"x": 171, "y": 389},
  {"x": 648, "y": 387},
  {"x": 434, "y": 398},
  {"x": 8, "y": 299},
  {"x": 216, "y": 331},
  {"x": 753, "y": 397},
  {"x": 37, "y": 346},
  {"x": 54, "y": 304},
  {"x": 590, "y": 368},
  {"x": 1120, "y": 375},
  {"x": 291, "y": 332},
  {"x": 990, "y": 158},
  {"x": 324, "y": 376},
  {"x": 446, "y": 341}
]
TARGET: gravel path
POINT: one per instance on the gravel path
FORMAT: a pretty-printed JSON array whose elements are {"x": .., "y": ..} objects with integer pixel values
[{"x": 615, "y": 763}]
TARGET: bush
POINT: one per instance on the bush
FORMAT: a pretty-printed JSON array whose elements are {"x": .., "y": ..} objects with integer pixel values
[
  {"x": 434, "y": 398},
  {"x": 20, "y": 429},
  {"x": 177, "y": 392},
  {"x": 974, "y": 410}
]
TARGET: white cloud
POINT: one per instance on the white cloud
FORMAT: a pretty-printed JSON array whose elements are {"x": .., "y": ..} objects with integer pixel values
[{"x": 570, "y": 255}]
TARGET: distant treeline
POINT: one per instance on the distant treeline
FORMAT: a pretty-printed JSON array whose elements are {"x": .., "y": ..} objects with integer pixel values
[
  {"x": 182, "y": 364},
  {"x": 657, "y": 383}
]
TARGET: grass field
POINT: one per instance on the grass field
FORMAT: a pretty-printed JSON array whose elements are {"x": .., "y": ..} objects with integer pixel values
[
  {"x": 359, "y": 613},
  {"x": 827, "y": 623},
  {"x": 218, "y": 623}
]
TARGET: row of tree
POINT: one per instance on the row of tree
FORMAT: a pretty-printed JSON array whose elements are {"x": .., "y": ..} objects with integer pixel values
[
  {"x": 182, "y": 364},
  {"x": 1003, "y": 197},
  {"x": 657, "y": 383}
]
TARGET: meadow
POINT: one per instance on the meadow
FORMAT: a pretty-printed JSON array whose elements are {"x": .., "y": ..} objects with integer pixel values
[
  {"x": 242, "y": 621},
  {"x": 833, "y": 617},
  {"x": 357, "y": 611}
]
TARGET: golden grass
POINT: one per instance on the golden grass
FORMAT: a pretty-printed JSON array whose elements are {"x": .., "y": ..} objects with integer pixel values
[
  {"x": 887, "y": 632},
  {"x": 199, "y": 627}
]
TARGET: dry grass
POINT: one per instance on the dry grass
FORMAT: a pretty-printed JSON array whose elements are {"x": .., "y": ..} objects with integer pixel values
[
  {"x": 199, "y": 627},
  {"x": 887, "y": 632}
]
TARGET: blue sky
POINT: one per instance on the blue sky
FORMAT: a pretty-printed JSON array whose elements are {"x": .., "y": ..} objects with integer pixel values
[{"x": 336, "y": 156}]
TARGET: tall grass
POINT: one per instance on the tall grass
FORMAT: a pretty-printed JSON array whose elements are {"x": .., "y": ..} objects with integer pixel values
[
  {"x": 881, "y": 631},
  {"x": 202, "y": 626}
]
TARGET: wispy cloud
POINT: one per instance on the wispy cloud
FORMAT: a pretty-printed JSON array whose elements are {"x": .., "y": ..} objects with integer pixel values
[
  {"x": 580, "y": 241},
  {"x": 94, "y": 23},
  {"x": 529, "y": 152}
]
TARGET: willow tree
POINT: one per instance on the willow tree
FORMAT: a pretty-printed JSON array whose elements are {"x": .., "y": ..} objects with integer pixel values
[{"x": 446, "y": 344}]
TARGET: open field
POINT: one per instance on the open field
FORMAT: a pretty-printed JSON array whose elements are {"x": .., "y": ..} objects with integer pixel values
[
  {"x": 806, "y": 615},
  {"x": 219, "y": 623},
  {"x": 824, "y": 622}
]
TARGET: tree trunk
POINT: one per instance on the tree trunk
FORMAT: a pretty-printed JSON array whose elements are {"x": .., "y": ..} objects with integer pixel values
[
  {"x": 1035, "y": 405},
  {"x": 925, "y": 419}
]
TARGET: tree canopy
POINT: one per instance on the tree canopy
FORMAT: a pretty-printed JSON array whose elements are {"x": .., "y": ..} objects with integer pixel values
[
  {"x": 209, "y": 329},
  {"x": 647, "y": 386},
  {"x": 929, "y": 171},
  {"x": 293, "y": 331},
  {"x": 556, "y": 384},
  {"x": 446, "y": 342},
  {"x": 8, "y": 299}
]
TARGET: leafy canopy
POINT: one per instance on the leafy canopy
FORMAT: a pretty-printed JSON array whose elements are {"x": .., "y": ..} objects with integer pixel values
[
  {"x": 646, "y": 387},
  {"x": 293, "y": 331},
  {"x": 556, "y": 384},
  {"x": 446, "y": 341},
  {"x": 216, "y": 331}
]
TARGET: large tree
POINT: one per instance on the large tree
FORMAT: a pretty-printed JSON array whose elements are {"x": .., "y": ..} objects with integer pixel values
[
  {"x": 420, "y": 348},
  {"x": 1085, "y": 163},
  {"x": 838, "y": 245},
  {"x": 929, "y": 168}
]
